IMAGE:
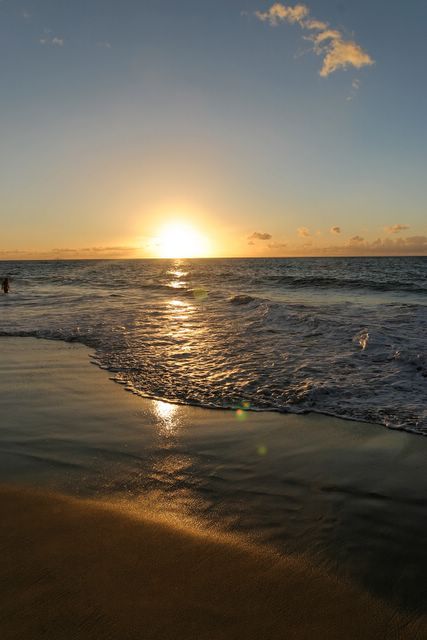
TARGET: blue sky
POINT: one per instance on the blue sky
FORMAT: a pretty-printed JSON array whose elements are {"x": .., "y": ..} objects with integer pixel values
[{"x": 116, "y": 117}]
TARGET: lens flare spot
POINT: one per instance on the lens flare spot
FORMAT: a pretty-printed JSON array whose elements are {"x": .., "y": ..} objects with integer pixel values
[{"x": 200, "y": 294}]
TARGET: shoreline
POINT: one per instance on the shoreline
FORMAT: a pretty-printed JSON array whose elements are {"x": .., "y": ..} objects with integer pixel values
[
  {"x": 149, "y": 259},
  {"x": 345, "y": 499},
  {"x": 179, "y": 403}
]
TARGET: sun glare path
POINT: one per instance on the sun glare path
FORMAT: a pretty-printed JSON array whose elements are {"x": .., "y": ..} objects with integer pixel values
[{"x": 179, "y": 240}]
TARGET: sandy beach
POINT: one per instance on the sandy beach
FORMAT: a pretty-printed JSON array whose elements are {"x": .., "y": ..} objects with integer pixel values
[
  {"x": 75, "y": 569},
  {"x": 126, "y": 518}
]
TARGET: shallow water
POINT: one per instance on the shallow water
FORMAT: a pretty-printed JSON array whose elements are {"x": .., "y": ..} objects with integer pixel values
[
  {"x": 348, "y": 495},
  {"x": 341, "y": 336}
]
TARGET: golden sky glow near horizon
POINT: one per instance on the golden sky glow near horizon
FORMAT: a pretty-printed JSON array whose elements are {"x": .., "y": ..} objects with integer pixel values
[{"x": 208, "y": 117}]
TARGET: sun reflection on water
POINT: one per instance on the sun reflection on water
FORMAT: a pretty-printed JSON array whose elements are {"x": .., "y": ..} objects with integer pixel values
[
  {"x": 177, "y": 273},
  {"x": 179, "y": 310},
  {"x": 176, "y": 284},
  {"x": 167, "y": 416}
]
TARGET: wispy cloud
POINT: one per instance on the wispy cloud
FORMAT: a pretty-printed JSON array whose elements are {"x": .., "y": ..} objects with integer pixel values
[
  {"x": 51, "y": 41},
  {"x": 104, "y": 45},
  {"x": 279, "y": 12},
  {"x": 303, "y": 232},
  {"x": 396, "y": 228},
  {"x": 277, "y": 245},
  {"x": 260, "y": 236},
  {"x": 356, "y": 240},
  {"x": 336, "y": 230},
  {"x": 330, "y": 44},
  {"x": 355, "y": 86},
  {"x": 355, "y": 246},
  {"x": 71, "y": 254},
  {"x": 415, "y": 245}
]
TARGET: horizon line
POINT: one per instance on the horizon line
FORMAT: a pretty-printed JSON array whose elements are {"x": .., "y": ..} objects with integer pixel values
[{"x": 97, "y": 259}]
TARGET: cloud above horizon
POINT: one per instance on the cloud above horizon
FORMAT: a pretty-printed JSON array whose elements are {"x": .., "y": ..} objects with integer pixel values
[
  {"x": 330, "y": 44},
  {"x": 336, "y": 230},
  {"x": 358, "y": 246},
  {"x": 356, "y": 240},
  {"x": 415, "y": 245},
  {"x": 260, "y": 236},
  {"x": 396, "y": 228},
  {"x": 70, "y": 254},
  {"x": 303, "y": 232},
  {"x": 277, "y": 245}
]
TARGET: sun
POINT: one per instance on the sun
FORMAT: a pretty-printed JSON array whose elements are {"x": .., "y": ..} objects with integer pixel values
[{"x": 181, "y": 240}]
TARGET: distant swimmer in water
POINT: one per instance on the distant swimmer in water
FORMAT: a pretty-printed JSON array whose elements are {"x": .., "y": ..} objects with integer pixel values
[{"x": 5, "y": 285}]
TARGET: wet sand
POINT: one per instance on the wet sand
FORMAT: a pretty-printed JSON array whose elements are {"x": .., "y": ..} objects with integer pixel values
[
  {"x": 147, "y": 555},
  {"x": 75, "y": 569}
]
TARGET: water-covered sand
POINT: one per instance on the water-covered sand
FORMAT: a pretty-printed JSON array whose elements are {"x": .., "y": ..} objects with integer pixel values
[{"x": 199, "y": 524}]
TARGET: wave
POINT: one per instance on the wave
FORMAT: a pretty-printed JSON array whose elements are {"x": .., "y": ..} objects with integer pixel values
[
  {"x": 301, "y": 397},
  {"x": 327, "y": 282},
  {"x": 241, "y": 299}
]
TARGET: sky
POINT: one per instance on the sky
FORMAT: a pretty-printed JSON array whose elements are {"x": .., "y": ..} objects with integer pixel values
[{"x": 251, "y": 128}]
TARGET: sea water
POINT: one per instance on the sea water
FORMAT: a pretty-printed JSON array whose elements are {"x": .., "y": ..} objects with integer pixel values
[{"x": 339, "y": 336}]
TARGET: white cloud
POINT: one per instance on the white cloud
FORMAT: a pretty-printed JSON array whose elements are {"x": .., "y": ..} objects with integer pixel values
[
  {"x": 355, "y": 86},
  {"x": 51, "y": 41},
  {"x": 337, "y": 51}
]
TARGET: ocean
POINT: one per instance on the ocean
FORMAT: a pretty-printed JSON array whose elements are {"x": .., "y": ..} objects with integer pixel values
[{"x": 338, "y": 336}]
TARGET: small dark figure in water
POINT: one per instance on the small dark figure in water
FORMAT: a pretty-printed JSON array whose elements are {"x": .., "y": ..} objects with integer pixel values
[{"x": 5, "y": 285}]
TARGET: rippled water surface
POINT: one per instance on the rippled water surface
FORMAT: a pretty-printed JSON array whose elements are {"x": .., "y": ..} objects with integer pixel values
[{"x": 339, "y": 336}]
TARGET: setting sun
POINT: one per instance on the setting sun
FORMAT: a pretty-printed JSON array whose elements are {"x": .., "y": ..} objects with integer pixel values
[{"x": 181, "y": 240}]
